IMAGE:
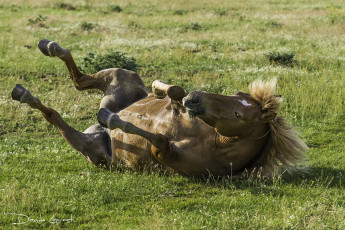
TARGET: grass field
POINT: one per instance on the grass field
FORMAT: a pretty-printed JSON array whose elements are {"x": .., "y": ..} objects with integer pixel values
[{"x": 212, "y": 45}]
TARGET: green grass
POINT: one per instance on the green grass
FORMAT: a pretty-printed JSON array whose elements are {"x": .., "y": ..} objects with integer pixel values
[{"x": 215, "y": 46}]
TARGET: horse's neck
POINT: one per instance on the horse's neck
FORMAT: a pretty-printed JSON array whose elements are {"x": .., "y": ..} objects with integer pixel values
[
  {"x": 223, "y": 141},
  {"x": 252, "y": 144},
  {"x": 255, "y": 137},
  {"x": 243, "y": 147}
]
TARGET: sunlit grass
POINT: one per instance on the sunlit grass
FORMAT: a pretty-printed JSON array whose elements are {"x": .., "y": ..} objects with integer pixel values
[{"x": 214, "y": 46}]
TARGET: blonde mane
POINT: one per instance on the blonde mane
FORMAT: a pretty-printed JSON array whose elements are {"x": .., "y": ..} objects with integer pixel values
[{"x": 284, "y": 147}]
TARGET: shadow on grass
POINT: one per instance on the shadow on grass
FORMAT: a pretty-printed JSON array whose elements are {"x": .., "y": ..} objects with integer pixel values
[
  {"x": 329, "y": 177},
  {"x": 304, "y": 177}
]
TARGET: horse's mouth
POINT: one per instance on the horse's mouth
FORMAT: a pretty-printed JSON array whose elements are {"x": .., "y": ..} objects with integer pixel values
[
  {"x": 192, "y": 102},
  {"x": 195, "y": 111}
]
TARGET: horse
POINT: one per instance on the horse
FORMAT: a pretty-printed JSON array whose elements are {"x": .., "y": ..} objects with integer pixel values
[{"x": 197, "y": 134}]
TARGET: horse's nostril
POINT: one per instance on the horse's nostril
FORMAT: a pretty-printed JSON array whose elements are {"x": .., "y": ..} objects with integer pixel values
[
  {"x": 195, "y": 100},
  {"x": 191, "y": 100}
]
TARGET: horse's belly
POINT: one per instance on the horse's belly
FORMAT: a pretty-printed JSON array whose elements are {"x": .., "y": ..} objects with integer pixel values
[
  {"x": 129, "y": 149},
  {"x": 134, "y": 152}
]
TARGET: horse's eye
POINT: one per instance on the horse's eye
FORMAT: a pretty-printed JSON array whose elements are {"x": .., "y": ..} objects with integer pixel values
[{"x": 237, "y": 115}]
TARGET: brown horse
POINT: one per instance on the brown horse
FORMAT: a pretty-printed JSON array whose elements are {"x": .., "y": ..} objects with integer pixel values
[{"x": 198, "y": 134}]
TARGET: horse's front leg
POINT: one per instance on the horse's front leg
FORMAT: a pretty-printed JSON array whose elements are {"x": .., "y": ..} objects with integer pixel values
[
  {"x": 161, "y": 89},
  {"x": 161, "y": 148}
]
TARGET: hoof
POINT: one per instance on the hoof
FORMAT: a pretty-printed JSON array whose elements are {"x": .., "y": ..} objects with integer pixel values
[
  {"x": 51, "y": 48},
  {"x": 19, "y": 93},
  {"x": 176, "y": 93},
  {"x": 43, "y": 46},
  {"x": 106, "y": 118},
  {"x": 161, "y": 89}
]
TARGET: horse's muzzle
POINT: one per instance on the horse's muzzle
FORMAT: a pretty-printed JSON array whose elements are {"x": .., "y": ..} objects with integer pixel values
[{"x": 193, "y": 103}]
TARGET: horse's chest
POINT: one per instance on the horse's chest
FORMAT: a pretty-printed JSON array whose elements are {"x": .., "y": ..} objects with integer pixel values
[{"x": 189, "y": 146}]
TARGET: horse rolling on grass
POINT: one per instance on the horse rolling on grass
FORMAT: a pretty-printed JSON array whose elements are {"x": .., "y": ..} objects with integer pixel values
[{"x": 197, "y": 135}]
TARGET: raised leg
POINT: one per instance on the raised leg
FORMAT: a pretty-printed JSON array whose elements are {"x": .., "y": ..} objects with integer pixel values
[
  {"x": 120, "y": 87},
  {"x": 81, "y": 81},
  {"x": 176, "y": 93},
  {"x": 161, "y": 89},
  {"x": 92, "y": 144},
  {"x": 161, "y": 147}
]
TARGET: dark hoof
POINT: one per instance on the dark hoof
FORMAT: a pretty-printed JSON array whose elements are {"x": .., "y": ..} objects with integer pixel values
[
  {"x": 176, "y": 93},
  {"x": 43, "y": 46},
  {"x": 19, "y": 93},
  {"x": 52, "y": 49},
  {"x": 105, "y": 117}
]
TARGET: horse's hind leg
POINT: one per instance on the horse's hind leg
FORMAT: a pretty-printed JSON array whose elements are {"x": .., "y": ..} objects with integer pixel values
[
  {"x": 93, "y": 144},
  {"x": 81, "y": 81},
  {"x": 120, "y": 87}
]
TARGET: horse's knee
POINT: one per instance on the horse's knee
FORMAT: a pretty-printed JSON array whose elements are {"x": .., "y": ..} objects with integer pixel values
[
  {"x": 98, "y": 145},
  {"x": 114, "y": 103},
  {"x": 94, "y": 129}
]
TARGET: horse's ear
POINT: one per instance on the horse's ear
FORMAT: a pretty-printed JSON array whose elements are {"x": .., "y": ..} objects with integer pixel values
[{"x": 268, "y": 116}]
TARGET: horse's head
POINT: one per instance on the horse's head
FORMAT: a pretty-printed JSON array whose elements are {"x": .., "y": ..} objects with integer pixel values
[
  {"x": 250, "y": 117},
  {"x": 236, "y": 115}
]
